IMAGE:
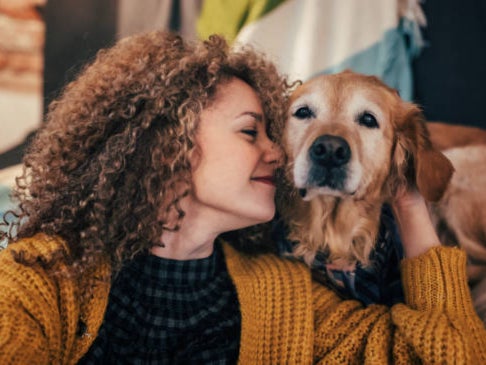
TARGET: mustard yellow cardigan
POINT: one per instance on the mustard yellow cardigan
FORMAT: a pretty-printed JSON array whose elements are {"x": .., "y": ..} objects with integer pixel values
[{"x": 286, "y": 318}]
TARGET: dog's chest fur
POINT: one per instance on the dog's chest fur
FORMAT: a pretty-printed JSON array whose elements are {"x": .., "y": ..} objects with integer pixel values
[{"x": 350, "y": 229}]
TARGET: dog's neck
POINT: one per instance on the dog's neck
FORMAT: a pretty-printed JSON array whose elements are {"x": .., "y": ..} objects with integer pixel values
[{"x": 343, "y": 228}]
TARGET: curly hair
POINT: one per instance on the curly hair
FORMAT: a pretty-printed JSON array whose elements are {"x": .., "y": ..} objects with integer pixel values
[{"x": 106, "y": 168}]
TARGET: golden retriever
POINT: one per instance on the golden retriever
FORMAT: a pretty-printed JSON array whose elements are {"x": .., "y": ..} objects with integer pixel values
[
  {"x": 351, "y": 143},
  {"x": 460, "y": 215}
]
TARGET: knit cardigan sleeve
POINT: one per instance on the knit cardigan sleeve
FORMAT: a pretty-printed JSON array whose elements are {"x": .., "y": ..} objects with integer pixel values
[
  {"x": 30, "y": 320},
  {"x": 436, "y": 325},
  {"x": 23, "y": 339},
  {"x": 39, "y": 313}
]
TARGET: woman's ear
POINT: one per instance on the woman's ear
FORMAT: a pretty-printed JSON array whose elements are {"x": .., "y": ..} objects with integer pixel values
[{"x": 416, "y": 162}]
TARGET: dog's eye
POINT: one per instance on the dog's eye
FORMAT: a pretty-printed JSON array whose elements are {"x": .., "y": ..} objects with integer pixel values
[
  {"x": 304, "y": 112},
  {"x": 368, "y": 120}
]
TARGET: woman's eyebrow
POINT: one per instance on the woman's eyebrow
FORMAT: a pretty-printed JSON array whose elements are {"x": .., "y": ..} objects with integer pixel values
[{"x": 257, "y": 116}]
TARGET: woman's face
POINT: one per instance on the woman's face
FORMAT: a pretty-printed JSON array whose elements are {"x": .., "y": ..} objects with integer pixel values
[{"x": 234, "y": 176}]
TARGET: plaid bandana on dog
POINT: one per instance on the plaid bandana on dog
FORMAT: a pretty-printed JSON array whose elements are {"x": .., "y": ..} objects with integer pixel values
[{"x": 378, "y": 283}]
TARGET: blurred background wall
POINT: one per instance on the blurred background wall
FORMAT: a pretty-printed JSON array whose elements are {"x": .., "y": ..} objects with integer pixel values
[
  {"x": 22, "y": 30},
  {"x": 450, "y": 73},
  {"x": 43, "y": 44}
]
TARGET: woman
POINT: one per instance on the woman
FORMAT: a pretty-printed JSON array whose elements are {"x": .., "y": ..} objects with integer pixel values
[{"x": 158, "y": 148}]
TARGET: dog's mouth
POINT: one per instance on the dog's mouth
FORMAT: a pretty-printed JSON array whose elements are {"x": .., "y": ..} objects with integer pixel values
[
  {"x": 308, "y": 192},
  {"x": 333, "y": 178},
  {"x": 328, "y": 160}
]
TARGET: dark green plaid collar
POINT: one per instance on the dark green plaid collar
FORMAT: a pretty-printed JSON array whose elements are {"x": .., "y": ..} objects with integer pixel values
[{"x": 176, "y": 272}]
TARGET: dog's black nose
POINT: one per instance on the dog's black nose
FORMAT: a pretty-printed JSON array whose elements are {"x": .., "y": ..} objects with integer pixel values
[{"x": 330, "y": 150}]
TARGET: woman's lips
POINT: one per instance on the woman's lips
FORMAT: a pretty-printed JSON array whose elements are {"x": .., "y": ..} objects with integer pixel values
[{"x": 269, "y": 180}]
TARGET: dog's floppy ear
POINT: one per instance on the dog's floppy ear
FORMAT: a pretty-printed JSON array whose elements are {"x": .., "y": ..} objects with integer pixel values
[
  {"x": 415, "y": 161},
  {"x": 433, "y": 173}
]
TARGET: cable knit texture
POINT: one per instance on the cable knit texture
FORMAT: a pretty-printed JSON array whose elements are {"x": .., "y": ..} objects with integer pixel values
[{"x": 286, "y": 318}]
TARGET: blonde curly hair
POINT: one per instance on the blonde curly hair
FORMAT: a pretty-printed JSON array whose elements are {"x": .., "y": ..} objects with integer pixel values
[{"x": 102, "y": 171}]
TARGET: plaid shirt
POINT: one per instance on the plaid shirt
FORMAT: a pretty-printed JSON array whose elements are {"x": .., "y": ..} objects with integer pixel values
[{"x": 163, "y": 311}]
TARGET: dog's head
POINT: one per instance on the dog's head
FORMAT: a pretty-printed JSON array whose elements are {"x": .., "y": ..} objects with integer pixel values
[
  {"x": 351, "y": 145},
  {"x": 349, "y": 135}
]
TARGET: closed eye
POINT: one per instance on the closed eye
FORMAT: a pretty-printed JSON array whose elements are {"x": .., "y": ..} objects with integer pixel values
[
  {"x": 253, "y": 133},
  {"x": 367, "y": 120},
  {"x": 304, "y": 112}
]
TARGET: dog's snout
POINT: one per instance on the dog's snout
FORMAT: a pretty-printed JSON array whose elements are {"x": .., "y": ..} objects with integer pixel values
[{"x": 330, "y": 150}]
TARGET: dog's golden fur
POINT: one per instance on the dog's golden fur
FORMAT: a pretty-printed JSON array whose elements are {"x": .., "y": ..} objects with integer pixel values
[
  {"x": 445, "y": 136},
  {"x": 342, "y": 217},
  {"x": 460, "y": 215}
]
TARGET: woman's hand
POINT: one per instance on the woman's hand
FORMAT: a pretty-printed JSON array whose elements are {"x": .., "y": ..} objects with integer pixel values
[{"x": 415, "y": 227}]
